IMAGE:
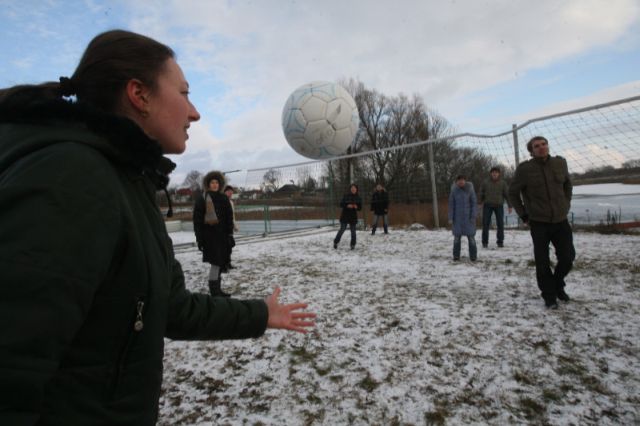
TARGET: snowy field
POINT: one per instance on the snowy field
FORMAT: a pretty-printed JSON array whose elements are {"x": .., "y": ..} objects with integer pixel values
[{"x": 407, "y": 336}]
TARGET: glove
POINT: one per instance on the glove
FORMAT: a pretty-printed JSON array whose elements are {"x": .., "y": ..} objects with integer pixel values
[
  {"x": 525, "y": 218},
  {"x": 232, "y": 241}
]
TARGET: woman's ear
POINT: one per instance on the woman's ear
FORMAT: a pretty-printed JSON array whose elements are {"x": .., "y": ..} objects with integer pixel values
[{"x": 137, "y": 93}]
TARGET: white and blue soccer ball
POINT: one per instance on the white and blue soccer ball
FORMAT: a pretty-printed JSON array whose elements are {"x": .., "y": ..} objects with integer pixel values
[{"x": 320, "y": 120}]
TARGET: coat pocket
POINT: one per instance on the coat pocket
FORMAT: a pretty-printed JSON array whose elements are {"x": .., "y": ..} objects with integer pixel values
[{"x": 136, "y": 325}]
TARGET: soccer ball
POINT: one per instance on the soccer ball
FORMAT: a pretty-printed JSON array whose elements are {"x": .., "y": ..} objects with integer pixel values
[{"x": 320, "y": 120}]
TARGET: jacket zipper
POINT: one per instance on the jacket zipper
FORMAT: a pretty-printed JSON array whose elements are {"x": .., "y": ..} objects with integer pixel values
[
  {"x": 546, "y": 186},
  {"x": 138, "y": 325}
]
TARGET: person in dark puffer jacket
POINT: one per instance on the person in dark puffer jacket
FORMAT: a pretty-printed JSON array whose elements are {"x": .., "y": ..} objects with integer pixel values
[
  {"x": 90, "y": 285},
  {"x": 351, "y": 204}
]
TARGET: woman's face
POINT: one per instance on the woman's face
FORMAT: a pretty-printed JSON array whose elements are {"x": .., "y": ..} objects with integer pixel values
[
  {"x": 170, "y": 112},
  {"x": 214, "y": 185},
  {"x": 354, "y": 189}
]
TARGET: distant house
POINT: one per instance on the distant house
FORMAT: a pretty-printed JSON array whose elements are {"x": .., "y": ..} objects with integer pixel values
[
  {"x": 252, "y": 194},
  {"x": 288, "y": 190},
  {"x": 183, "y": 195}
]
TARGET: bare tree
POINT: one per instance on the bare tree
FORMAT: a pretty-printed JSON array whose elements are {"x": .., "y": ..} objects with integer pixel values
[
  {"x": 271, "y": 180},
  {"x": 193, "y": 181}
]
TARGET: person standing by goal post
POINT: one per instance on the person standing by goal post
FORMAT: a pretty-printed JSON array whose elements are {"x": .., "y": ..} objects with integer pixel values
[
  {"x": 541, "y": 194},
  {"x": 493, "y": 194}
]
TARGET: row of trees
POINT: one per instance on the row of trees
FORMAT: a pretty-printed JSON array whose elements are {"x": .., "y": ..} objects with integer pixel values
[{"x": 387, "y": 124}]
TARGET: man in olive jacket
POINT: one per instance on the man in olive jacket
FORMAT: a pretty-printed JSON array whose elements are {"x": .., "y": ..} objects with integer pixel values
[
  {"x": 493, "y": 194},
  {"x": 541, "y": 194}
]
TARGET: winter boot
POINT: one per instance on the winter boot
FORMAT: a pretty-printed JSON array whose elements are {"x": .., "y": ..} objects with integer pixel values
[
  {"x": 562, "y": 295},
  {"x": 373, "y": 230},
  {"x": 386, "y": 229},
  {"x": 216, "y": 290}
]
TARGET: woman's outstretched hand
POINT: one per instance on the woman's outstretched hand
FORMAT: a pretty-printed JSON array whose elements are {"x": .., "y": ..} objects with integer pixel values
[{"x": 288, "y": 317}]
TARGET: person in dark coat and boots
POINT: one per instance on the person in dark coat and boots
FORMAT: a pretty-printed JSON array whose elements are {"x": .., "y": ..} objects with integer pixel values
[
  {"x": 228, "y": 191},
  {"x": 351, "y": 204},
  {"x": 380, "y": 208},
  {"x": 462, "y": 216},
  {"x": 90, "y": 284},
  {"x": 213, "y": 226},
  {"x": 541, "y": 194}
]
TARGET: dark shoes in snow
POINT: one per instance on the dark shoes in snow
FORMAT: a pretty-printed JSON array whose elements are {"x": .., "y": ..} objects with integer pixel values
[
  {"x": 562, "y": 295},
  {"x": 551, "y": 304}
]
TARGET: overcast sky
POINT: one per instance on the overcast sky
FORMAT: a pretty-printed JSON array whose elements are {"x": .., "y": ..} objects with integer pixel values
[{"x": 483, "y": 65}]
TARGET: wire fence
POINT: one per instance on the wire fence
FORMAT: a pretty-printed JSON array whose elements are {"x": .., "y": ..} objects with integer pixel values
[{"x": 601, "y": 144}]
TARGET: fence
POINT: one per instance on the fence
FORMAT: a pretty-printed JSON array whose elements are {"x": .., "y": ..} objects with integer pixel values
[{"x": 601, "y": 144}]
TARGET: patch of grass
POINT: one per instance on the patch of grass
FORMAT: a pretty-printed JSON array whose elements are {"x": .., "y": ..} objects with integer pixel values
[
  {"x": 314, "y": 399},
  {"x": 322, "y": 371},
  {"x": 570, "y": 366},
  {"x": 532, "y": 409},
  {"x": 336, "y": 378},
  {"x": 368, "y": 383},
  {"x": 541, "y": 344},
  {"x": 566, "y": 388},
  {"x": 302, "y": 355},
  {"x": 523, "y": 377},
  {"x": 508, "y": 262},
  {"x": 594, "y": 384},
  {"x": 551, "y": 395},
  {"x": 531, "y": 263},
  {"x": 437, "y": 417},
  {"x": 312, "y": 418}
]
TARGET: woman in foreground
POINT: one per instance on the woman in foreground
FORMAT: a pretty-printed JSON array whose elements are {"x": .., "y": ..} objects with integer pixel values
[{"x": 90, "y": 286}]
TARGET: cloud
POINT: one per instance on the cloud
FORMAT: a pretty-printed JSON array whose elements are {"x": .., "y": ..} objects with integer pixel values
[{"x": 244, "y": 58}]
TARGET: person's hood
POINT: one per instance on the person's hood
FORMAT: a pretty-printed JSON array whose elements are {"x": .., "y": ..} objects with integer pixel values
[
  {"x": 29, "y": 128},
  {"x": 468, "y": 186}
]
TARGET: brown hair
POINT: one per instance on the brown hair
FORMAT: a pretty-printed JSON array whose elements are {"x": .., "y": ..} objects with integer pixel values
[
  {"x": 110, "y": 60},
  {"x": 532, "y": 140}
]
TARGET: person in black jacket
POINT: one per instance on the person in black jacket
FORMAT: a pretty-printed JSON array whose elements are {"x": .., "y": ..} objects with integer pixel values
[
  {"x": 380, "y": 208},
  {"x": 90, "y": 286},
  {"x": 351, "y": 204},
  {"x": 213, "y": 226}
]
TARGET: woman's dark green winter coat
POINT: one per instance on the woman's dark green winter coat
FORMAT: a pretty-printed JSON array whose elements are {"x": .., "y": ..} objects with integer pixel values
[{"x": 89, "y": 283}]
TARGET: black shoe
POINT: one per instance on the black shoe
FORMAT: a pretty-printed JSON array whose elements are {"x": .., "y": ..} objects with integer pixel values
[
  {"x": 455, "y": 259},
  {"x": 562, "y": 295},
  {"x": 500, "y": 245},
  {"x": 352, "y": 247},
  {"x": 474, "y": 259},
  {"x": 485, "y": 245},
  {"x": 335, "y": 245},
  {"x": 551, "y": 304}
]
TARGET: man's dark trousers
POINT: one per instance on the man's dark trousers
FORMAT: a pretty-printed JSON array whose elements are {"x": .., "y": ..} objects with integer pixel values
[
  {"x": 487, "y": 211},
  {"x": 560, "y": 235}
]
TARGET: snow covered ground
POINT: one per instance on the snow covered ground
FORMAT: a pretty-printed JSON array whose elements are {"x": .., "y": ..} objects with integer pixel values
[{"x": 407, "y": 336}]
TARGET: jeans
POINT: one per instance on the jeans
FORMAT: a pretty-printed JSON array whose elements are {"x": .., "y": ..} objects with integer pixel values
[
  {"x": 487, "y": 211},
  {"x": 384, "y": 223},
  {"x": 343, "y": 227},
  {"x": 561, "y": 236},
  {"x": 473, "y": 249}
]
